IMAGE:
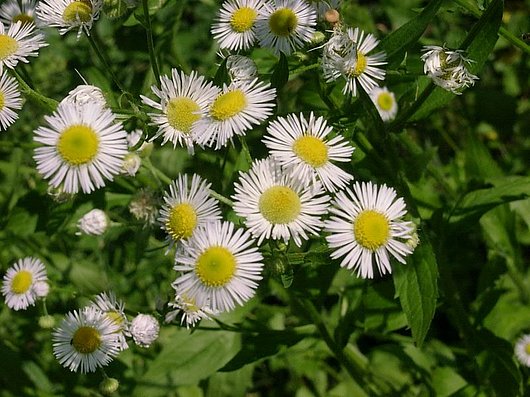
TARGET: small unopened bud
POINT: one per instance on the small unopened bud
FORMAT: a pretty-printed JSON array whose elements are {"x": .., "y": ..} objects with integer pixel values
[
  {"x": 131, "y": 164},
  {"x": 46, "y": 322},
  {"x": 413, "y": 241},
  {"x": 332, "y": 16},
  {"x": 94, "y": 223},
  {"x": 144, "y": 329},
  {"x": 318, "y": 37},
  {"x": 145, "y": 150},
  {"x": 109, "y": 386},
  {"x": 41, "y": 289}
]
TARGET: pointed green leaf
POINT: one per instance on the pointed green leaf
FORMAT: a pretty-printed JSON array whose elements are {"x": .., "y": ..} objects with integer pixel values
[
  {"x": 417, "y": 289},
  {"x": 280, "y": 75},
  {"x": 221, "y": 76}
]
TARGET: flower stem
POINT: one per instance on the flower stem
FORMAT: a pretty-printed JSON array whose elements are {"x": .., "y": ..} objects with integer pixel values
[
  {"x": 47, "y": 103},
  {"x": 246, "y": 150},
  {"x": 399, "y": 123},
  {"x": 104, "y": 60},
  {"x": 150, "y": 44}
]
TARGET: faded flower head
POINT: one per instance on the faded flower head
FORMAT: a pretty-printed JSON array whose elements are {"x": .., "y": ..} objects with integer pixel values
[
  {"x": 144, "y": 329},
  {"x": 93, "y": 223},
  {"x": 448, "y": 69}
]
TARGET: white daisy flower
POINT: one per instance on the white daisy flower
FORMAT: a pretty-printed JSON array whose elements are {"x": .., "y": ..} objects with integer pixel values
[
  {"x": 10, "y": 100},
  {"x": 183, "y": 101},
  {"x": 93, "y": 223},
  {"x": 241, "y": 69},
  {"x": 21, "y": 286},
  {"x": 522, "y": 350},
  {"x": 277, "y": 205},
  {"x": 86, "y": 93},
  {"x": 286, "y": 25},
  {"x": 385, "y": 103},
  {"x": 82, "y": 146},
  {"x": 219, "y": 266},
  {"x": 346, "y": 55},
  {"x": 187, "y": 207},
  {"x": 234, "y": 27},
  {"x": 301, "y": 147},
  {"x": 144, "y": 329},
  {"x": 13, "y": 11},
  {"x": 448, "y": 69},
  {"x": 85, "y": 340},
  {"x": 189, "y": 311},
  {"x": 69, "y": 14},
  {"x": 19, "y": 42},
  {"x": 114, "y": 309},
  {"x": 366, "y": 223},
  {"x": 234, "y": 111}
]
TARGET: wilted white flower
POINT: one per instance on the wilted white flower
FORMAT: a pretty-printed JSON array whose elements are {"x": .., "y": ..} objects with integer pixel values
[
  {"x": 131, "y": 164},
  {"x": 448, "y": 69},
  {"x": 84, "y": 94},
  {"x": 241, "y": 68},
  {"x": 93, "y": 223}
]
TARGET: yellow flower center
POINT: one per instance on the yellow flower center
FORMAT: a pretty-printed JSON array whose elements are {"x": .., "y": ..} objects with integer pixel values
[
  {"x": 78, "y": 144},
  {"x": 215, "y": 267},
  {"x": 228, "y": 105},
  {"x": 182, "y": 113},
  {"x": 115, "y": 317},
  {"x": 279, "y": 204},
  {"x": 24, "y": 18},
  {"x": 311, "y": 150},
  {"x": 182, "y": 221},
  {"x": 527, "y": 348},
  {"x": 371, "y": 229},
  {"x": 86, "y": 340},
  {"x": 360, "y": 65},
  {"x": 21, "y": 282},
  {"x": 283, "y": 21},
  {"x": 8, "y": 46},
  {"x": 78, "y": 10},
  {"x": 2, "y": 100},
  {"x": 243, "y": 19},
  {"x": 385, "y": 101}
]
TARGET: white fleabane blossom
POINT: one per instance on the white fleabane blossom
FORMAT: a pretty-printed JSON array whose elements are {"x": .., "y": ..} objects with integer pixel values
[{"x": 144, "y": 329}]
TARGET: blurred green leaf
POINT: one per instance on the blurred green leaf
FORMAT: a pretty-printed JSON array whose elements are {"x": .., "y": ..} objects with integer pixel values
[
  {"x": 280, "y": 75},
  {"x": 185, "y": 359},
  {"x": 476, "y": 203},
  {"x": 399, "y": 41},
  {"x": 417, "y": 289}
]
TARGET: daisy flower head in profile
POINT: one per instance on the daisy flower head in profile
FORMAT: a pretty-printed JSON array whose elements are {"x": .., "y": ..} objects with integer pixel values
[
  {"x": 385, "y": 103},
  {"x": 82, "y": 146},
  {"x": 241, "y": 68},
  {"x": 367, "y": 223},
  {"x": 187, "y": 206},
  {"x": 220, "y": 267},
  {"x": 286, "y": 25},
  {"x": 346, "y": 54},
  {"x": 24, "y": 282},
  {"x": 114, "y": 309},
  {"x": 85, "y": 340},
  {"x": 183, "y": 101},
  {"x": 10, "y": 100},
  {"x": 448, "y": 69},
  {"x": 234, "y": 111},
  {"x": 522, "y": 350},
  {"x": 235, "y": 25},
  {"x": 86, "y": 93},
  {"x": 188, "y": 310},
  {"x": 276, "y": 205},
  {"x": 12, "y": 11},
  {"x": 19, "y": 42},
  {"x": 69, "y": 14},
  {"x": 302, "y": 148}
]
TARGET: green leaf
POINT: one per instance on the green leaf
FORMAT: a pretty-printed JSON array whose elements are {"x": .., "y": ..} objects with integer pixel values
[
  {"x": 446, "y": 381},
  {"x": 417, "y": 289},
  {"x": 221, "y": 76},
  {"x": 186, "y": 359},
  {"x": 478, "y": 202},
  {"x": 478, "y": 44},
  {"x": 280, "y": 75},
  {"x": 400, "y": 40}
]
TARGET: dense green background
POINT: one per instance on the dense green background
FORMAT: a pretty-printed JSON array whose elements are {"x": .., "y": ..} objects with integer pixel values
[{"x": 463, "y": 170}]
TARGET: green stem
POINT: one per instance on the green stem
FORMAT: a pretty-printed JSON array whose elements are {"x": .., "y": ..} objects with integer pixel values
[
  {"x": 303, "y": 69},
  {"x": 45, "y": 102},
  {"x": 246, "y": 150},
  {"x": 104, "y": 60},
  {"x": 150, "y": 44},
  {"x": 221, "y": 198},
  {"x": 502, "y": 31}
]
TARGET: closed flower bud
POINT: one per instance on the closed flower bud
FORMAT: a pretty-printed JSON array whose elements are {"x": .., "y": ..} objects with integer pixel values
[{"x": 93, "y": 223}]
